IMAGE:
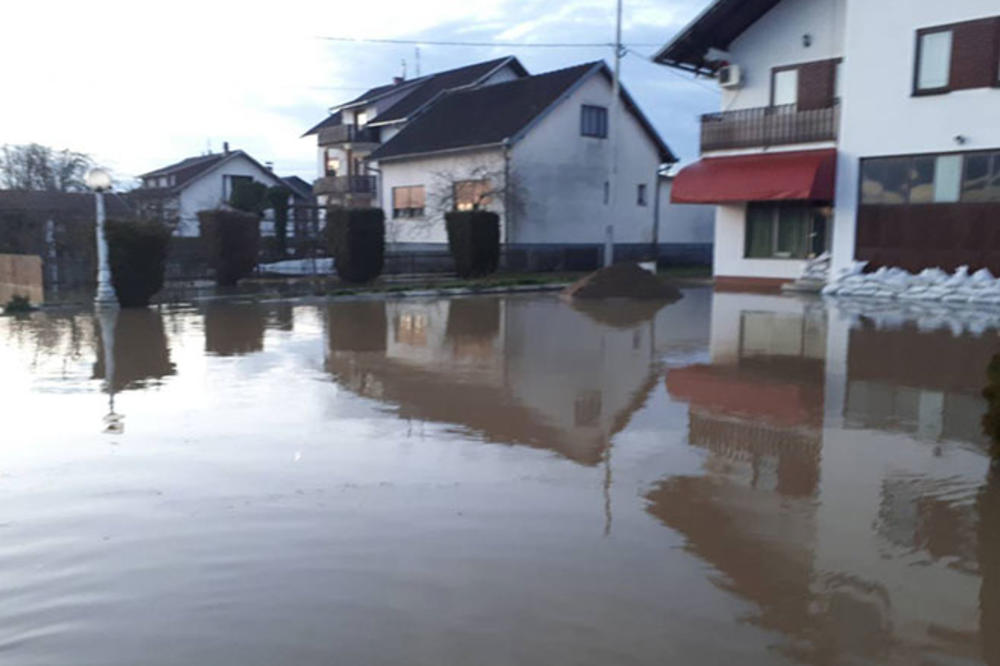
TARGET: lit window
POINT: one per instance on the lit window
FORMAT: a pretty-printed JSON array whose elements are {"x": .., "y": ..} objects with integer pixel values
[
  {"x": 408, "y": 201},
  {"x": 332, "y": 163},
  {"x": 472, "y": 194},
  {"x": 594, "y": 121},
  {"x": 934, "y": 60}
]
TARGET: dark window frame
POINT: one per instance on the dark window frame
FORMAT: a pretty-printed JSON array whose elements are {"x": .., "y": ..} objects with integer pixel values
[
  {"x": 917, "y": 58},
  {"x": 600, "y": 121},
  {"x": 775, "y": 208},
  {"x": 947, "y": 153},
  {"x": 641, "y": 195}
]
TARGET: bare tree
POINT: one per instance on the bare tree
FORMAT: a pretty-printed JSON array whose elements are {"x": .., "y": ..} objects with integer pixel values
[
  {"x": 36, "y": 167},
  {"x": 480, "y": 187}
]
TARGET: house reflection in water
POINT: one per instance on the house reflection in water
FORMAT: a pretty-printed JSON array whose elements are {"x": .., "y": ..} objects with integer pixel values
[
  {"x": 843, "y": 482},
  {"x": 482, "y": 365}
]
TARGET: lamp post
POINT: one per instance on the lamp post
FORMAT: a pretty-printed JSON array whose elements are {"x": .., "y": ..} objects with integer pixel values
[{"x": 100, "y": 181}]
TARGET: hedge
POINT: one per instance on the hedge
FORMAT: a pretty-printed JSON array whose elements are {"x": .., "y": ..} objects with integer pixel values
[
  {"x": 137, "y": 254},
  {"x": 232, "y": 243},
  {"x": 474, "y": 241},
  {"x": 356, "y": 239}
]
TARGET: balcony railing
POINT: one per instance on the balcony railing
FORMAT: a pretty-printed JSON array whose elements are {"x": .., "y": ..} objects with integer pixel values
[
  {"x": 335, "y": 134},
  {"x": 768, "y": 126},
  {"x": 342, "y": 185}
]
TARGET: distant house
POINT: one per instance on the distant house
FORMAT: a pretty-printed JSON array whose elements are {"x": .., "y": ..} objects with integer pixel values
[
  {"x": 176, "y": 193},
  {"x": 534, "y": 149}
]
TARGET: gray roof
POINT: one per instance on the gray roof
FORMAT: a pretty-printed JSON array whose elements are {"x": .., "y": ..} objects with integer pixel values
[
  {"x": 299, "y": 187},
  {"x": 491, "y": 115},
  {"x": 192, "y": 167},
  {"x": 61, "y": 204}
]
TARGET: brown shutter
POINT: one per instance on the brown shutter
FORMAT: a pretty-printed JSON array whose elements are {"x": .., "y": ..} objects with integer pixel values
[
  {"x": 974, "y": 54},
  {"x": 418, "y": 196},
  {"x": 400, "y": 197},
  {"x": 816, "y": 84}
]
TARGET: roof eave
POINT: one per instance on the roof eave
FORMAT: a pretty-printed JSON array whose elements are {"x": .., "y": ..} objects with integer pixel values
[{"x": 440, "y": 151}]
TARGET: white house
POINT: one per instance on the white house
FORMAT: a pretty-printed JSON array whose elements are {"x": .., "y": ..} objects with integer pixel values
[
  {"x": 535, "y": 149},
  {"x": 864, "y": 128},
  {"x": 177, "y": 192}
]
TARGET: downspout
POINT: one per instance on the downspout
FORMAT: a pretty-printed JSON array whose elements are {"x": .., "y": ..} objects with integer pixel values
[
  {"x": 656, "y": 218},
  {"x": 507, "y": 209}
]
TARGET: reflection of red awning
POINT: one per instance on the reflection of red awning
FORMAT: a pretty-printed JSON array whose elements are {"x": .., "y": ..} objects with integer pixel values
[
  {"x": 806, "y": 175},
  {"x": 723, "y": 391}
]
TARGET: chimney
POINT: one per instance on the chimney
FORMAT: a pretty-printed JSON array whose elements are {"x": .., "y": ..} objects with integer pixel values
[
  {"x": 269, "y": 165},
  {"x": 225, "y": 147},
  {"x": 396, "y": 80}
]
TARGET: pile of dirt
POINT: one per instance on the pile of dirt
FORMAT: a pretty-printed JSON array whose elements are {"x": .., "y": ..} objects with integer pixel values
[{"x": 623, "y": 281}]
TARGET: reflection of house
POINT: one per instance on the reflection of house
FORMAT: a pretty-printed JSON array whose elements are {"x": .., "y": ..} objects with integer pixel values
[
  {"x": 480, "y": 364},
  {"x": 818, "y": 527}
]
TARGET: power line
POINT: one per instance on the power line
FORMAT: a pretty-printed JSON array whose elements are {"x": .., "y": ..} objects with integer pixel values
[{"x": 427, "y": 42}]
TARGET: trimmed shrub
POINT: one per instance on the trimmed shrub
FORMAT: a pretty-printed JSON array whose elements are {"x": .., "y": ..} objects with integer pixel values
[
  {"x": 137, "y": 254},
  {"x": 248, "y": 196},
  {"x": 277, "y": 200},
  {"x": 232, "y": 243},
  {"x": 474, "y": 241},
  {"x": 356, "y": 238}
]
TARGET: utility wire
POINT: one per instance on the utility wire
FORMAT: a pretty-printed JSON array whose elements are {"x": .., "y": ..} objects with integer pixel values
[{"x": 431, "y": 42}]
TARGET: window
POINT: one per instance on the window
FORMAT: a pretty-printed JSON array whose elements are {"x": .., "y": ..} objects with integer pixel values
[
  {"x": 594, "y": 121},
  {"x": 785, "y": 87},
  {"x": 408, "y": 201},
  {"x": 607, "y": 193},
  {"x": 933, "y": 60},
  {"x": 361, "y": 118},
  {"x": 332, "y": 163},
  {"x": 927, "y": 179},
  {"x": 785, "y": 231},
  {"x": 472, "y": 194},
  {"x": 981, "y": 179},
  {"x": 640, "y": 197}
]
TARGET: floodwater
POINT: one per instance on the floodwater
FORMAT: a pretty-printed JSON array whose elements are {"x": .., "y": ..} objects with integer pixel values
[{"x": 733, "y": 479}]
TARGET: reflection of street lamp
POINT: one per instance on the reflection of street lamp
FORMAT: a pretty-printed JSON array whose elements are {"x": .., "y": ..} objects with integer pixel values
[
  {"x": 107, "y": 318},
  {"x": 100, "y": 181}
]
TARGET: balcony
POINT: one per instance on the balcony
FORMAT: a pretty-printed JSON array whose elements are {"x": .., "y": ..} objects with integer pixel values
[
  {"x": 768, "y": 126},
  {"x": 346, "y": 186},
  {"x": 339, "y": 134}
]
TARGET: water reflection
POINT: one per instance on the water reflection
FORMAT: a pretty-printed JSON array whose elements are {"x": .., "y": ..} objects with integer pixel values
[
  {"x": 234, "y": 329},
  {"x": 842, "y": 491},
  {"x": 139, "y": 347},
  {"x": 485, "y": 365}
]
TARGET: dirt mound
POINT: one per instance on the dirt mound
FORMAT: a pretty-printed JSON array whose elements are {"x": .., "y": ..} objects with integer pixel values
[{"x": 623, "y": 281}]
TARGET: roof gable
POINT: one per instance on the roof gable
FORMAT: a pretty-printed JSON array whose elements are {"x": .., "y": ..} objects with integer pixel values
[
  {"x": 716, "y": 27},
  {"x": 503, "y": 112},
  {"x": 193, "y": 168}
]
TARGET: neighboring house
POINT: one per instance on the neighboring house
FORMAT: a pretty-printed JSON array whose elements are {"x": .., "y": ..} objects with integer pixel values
[
  {"x": 534, "y": 149},
  {"x": 864, "y": 128},
  {"x": 353, "y": 130},
  {"x": 177, "y": 192},
  {"x": 687, "y": 231}
]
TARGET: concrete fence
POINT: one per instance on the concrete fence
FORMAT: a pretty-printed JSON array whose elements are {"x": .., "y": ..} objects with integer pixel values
[{"x": 21, "y": 275}]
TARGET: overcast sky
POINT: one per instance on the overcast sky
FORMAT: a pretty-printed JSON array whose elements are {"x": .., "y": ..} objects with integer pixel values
[{"x": 139, "y": 85}]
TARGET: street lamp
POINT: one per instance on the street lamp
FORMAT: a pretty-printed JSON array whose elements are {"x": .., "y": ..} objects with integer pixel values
[{"x": 100, "y": 181}]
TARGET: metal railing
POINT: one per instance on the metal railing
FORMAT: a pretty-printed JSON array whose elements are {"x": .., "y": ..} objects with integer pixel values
[
  {"x": 345, "y": 185},
  {"x": 768, "y": 126},
  {"x": 347, "y": 134}
]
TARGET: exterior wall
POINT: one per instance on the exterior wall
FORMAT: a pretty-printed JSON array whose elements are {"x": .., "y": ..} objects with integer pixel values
[
  {"x": 563, "y": 173},
  {"x": 776, "y": 40},
  {"x": 21, "y": 275},
  {"x": 209, "y": 191},
  {"x": 435, "y": 173},
  {"x": 730, "y": 244},
  {"x": 684, "y": 223},
  {"x": 877, "y": 93}
]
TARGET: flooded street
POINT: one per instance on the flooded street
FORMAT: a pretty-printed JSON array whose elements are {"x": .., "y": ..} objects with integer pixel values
[{"x": 731, "y": 479}]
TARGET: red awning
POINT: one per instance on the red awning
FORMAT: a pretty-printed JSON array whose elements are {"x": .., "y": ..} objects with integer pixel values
[{"x": 807, "y": 175}]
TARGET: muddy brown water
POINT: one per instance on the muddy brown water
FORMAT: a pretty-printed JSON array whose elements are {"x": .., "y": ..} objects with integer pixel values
[{"x": 733, "y": 479}]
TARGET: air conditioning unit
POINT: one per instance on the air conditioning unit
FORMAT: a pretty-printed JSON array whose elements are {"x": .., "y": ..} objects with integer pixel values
[{"x": 730, "y": 76}]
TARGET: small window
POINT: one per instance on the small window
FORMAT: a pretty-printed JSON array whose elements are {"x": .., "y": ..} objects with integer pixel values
[
  {"x": 408, "y": 202},
  {"x": 472, "y": 194},
  {"x": 640, "y": 198},
  {"x": 594, "y": 121},
  {"x": 934, "y": 60},
  {"x": 785, "y": 87},
  {"x": 607, "y": 193}
]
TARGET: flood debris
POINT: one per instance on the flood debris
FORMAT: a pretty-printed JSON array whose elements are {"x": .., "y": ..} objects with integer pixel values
[{"x": 625, "y": 280}]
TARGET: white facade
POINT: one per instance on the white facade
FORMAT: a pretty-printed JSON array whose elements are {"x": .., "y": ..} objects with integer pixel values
[
  {"x": 556, "y": 180},
  {"x": 881, "y": 116},
  {"x": 212, "y": 189}
]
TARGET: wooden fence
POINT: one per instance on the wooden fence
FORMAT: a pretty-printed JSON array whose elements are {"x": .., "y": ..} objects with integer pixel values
[{"x": 21, "y": 275}]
